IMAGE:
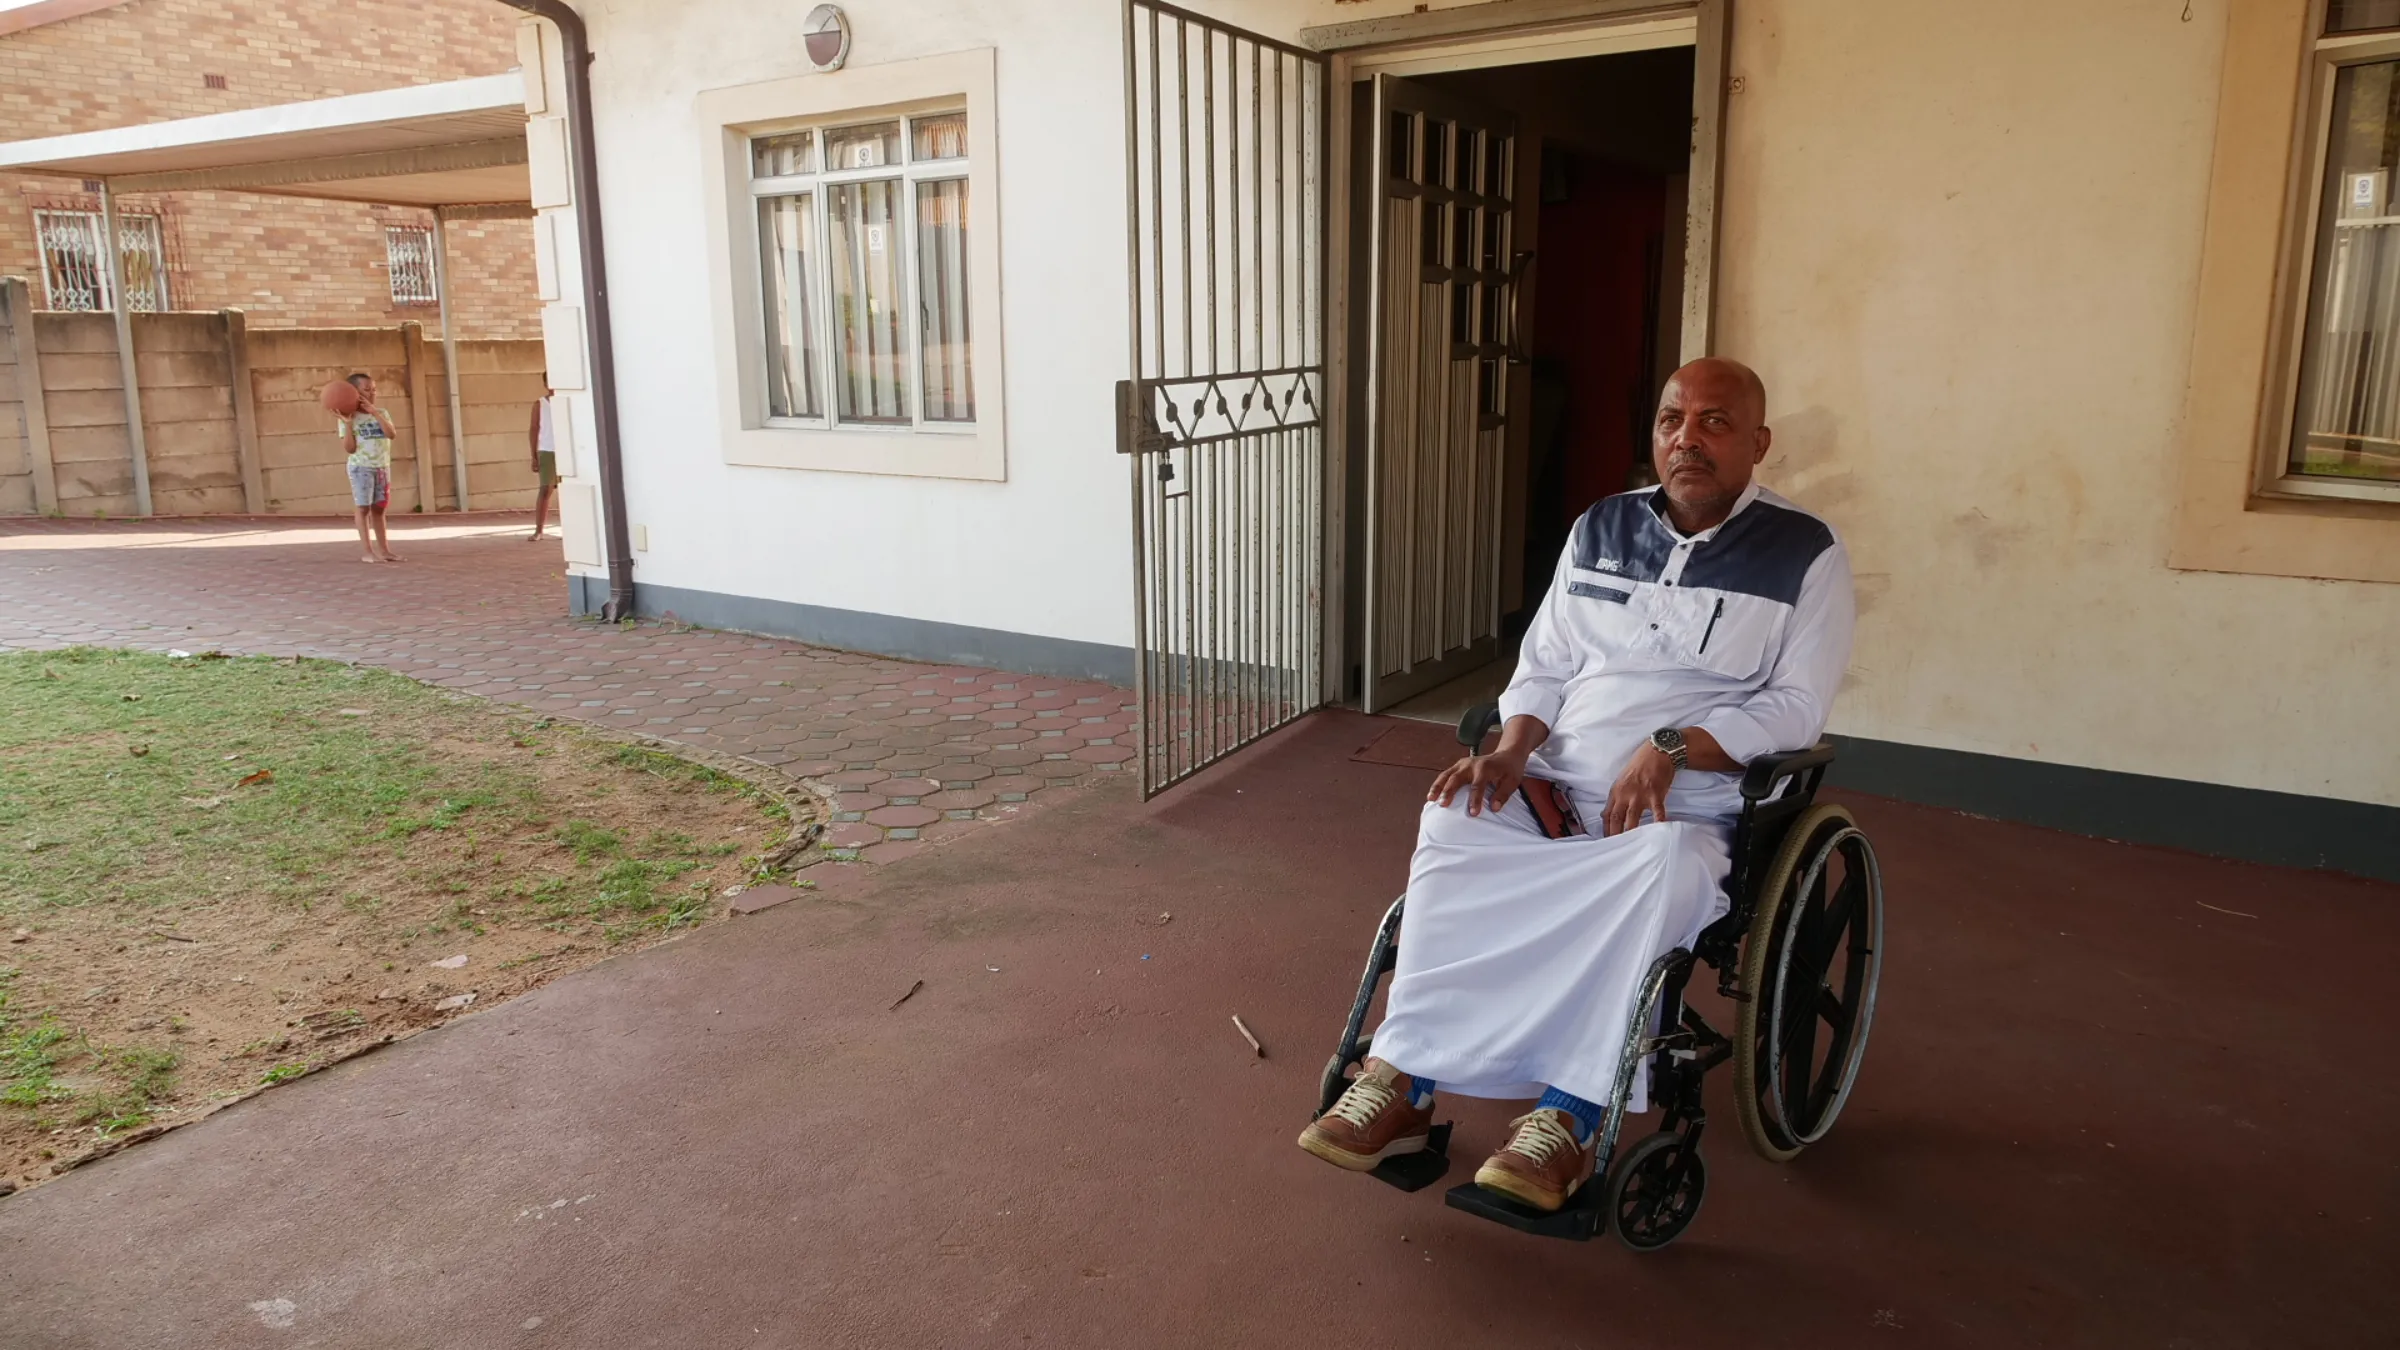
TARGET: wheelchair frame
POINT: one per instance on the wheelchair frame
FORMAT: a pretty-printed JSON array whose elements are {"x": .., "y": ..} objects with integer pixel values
[{"x": 1653, "y": 1192}]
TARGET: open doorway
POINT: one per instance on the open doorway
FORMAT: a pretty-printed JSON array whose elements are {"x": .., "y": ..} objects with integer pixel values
[{"x": 1517, "y": 280}]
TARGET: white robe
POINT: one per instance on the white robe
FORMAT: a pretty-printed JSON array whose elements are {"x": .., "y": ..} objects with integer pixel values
[{"x": 1520, "y": 956}]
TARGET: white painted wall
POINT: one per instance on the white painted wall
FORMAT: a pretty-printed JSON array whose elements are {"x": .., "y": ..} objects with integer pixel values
[
  {"x": 1046, "y": 552},
  {"x": 1960, "y": 242}
]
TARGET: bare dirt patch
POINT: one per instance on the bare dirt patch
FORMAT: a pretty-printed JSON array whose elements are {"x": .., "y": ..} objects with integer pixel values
[{"x": 217, "y": 875}]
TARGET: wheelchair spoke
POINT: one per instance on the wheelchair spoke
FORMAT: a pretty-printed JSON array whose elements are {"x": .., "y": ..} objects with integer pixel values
[
  {"x": 1821, "y": 933},
  {"x": 1799, "y": 1051},
  {"x": 1834, "y": 1012}
]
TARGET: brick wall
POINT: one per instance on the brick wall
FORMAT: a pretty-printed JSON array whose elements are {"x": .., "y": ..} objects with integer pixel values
[{"x": 289, "y": 261}]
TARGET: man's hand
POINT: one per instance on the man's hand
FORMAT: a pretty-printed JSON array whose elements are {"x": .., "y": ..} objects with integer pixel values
[
  {"x": 1647, "y": 776},
  {"x": 1641, "y": 787},
  {"x": 1490, "y": 780}
]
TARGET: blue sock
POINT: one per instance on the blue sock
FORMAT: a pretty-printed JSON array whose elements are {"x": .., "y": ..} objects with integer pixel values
[
  {"x": 1587, "y": 1114},
  {"x": 1420, "y": 1091}
]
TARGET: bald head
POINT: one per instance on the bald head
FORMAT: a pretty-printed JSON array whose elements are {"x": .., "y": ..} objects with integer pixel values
[{"x": 1711, "y": 431}]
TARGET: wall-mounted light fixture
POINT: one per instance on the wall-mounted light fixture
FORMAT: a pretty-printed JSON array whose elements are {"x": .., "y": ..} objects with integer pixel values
[{"x": 826, "y": 36}]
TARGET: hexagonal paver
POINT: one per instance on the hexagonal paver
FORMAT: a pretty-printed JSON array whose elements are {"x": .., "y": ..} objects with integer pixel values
[
  {"x": 890, "y": 850},
  {"x": 903, "y": 817},
  {"x": 849, "y": 834}
]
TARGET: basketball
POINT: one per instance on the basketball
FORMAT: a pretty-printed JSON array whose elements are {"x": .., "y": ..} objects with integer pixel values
[{"x": 341, "y": 398}]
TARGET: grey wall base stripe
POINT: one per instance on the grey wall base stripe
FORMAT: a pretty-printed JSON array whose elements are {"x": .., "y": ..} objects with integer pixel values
[
  {"x": 858, "y": 631},
  {"x": 2282, "y": 828}
]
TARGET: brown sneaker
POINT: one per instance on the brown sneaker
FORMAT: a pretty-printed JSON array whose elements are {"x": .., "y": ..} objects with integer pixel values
[
  {"x": 1541, "y": 1164},
  {"x": 1371, "y": 1122}
]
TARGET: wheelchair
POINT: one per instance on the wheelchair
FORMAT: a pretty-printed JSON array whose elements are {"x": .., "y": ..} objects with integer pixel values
[{"x": 1797, "y": 953}]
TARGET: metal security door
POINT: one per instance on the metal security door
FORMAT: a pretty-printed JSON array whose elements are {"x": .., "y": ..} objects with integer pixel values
[
  {"x": 1443, "y": 314},
  {"x": 1222, "y": 420}
]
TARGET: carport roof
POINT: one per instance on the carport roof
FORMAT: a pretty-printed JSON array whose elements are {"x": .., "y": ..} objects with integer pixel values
[{"x": 455, "y": 143}]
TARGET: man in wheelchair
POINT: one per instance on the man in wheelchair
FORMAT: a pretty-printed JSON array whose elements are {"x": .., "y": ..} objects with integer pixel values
[{"x": 1691, "y": 628}]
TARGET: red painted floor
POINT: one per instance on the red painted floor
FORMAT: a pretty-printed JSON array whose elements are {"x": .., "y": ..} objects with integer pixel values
[
  {"x": 2099, "y": 1109},
  {"x": 2095, "y": 1112}
]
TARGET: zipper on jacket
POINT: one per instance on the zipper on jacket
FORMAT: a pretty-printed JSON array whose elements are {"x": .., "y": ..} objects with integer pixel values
[{"x": 1714, "y": 615}]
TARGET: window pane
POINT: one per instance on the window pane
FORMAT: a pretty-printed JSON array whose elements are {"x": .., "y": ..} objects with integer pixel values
[
  {"x": 2354, "y": 16},
  {"x": 2348, "y": 422},
  {"x": 942, "y": 297},
  {"x": 943, "y": 137},
  {"x": 868, "y": 147},
  {"x": 74, "y": 275},
  {"x": 872, "y": 382},
  {"x": 775, "y": 156},
  {"x": 787, "y": 249},
  {"x": 408, "y": 251}
]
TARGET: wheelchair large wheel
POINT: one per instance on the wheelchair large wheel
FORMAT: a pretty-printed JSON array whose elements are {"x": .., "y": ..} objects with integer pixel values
[{"x": 1809, "y": 964}]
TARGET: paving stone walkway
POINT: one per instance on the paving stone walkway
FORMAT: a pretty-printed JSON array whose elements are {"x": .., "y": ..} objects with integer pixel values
[{"x": 914, "y": 753}]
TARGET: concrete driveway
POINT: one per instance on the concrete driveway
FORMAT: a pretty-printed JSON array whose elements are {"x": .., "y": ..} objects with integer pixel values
[{"x": 2115, "y": 1097}]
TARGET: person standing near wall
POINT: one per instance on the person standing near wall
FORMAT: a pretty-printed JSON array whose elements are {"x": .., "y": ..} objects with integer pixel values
[
  {"x": 543, "y": 439},
  {"x": 367, "y": 444}
]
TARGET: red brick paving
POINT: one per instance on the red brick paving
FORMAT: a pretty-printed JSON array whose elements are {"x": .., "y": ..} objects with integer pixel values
[{"x": 917, "y": 753}]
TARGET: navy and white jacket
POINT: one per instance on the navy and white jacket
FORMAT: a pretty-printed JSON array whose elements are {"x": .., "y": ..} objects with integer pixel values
[{"x": 1743, "y": 630}]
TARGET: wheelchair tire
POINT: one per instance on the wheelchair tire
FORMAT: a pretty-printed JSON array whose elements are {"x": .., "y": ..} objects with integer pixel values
[
  {"x": 1788, "y": 1101},
  {"x": 1648, "y": 1205}
]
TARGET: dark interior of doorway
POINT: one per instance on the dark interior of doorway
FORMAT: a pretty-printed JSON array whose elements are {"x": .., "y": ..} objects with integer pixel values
[{"x": 1602, "y": 311}]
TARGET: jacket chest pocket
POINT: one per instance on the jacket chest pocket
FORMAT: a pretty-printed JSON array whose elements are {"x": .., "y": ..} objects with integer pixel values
[{"x": 1723, "y": 634}]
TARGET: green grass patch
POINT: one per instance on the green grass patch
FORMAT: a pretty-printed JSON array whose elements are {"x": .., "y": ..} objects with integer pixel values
[{"x": 230, "y": 804}]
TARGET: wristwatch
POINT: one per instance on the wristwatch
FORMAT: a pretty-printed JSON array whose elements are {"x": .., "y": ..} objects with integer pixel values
[{"x": 1670, "y": 740}]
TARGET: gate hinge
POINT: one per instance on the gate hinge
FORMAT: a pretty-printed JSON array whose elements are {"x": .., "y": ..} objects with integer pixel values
[{"x": 1136, "y": 433}]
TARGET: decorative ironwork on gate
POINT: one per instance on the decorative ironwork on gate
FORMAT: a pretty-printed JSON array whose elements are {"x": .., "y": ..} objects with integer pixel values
[{"x": 1223, "y": 418}]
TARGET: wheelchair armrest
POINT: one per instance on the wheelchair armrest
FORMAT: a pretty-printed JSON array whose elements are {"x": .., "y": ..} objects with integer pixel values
[
  {"x": 1478, "y": 722},
  {"x": 1767, "y": 772}
]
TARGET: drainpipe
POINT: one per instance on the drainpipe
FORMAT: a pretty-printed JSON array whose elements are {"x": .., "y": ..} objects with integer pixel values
[{"x": 584, "y": 168}]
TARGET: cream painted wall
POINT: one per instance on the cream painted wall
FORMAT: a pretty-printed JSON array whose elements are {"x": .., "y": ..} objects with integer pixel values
[
  {"x": 1962, "y": 245},
  {"x": 1960, "y": 242}
]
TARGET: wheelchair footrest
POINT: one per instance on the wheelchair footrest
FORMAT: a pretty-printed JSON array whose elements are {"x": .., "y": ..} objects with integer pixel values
[
  {"x": 1416, "y": 1171},
  {"x": 1579, "y": 1221}
]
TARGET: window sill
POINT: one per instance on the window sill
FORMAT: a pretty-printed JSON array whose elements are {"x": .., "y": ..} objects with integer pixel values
[
  {"x": 974, "y": 455},
  {"x": 2316, "y": 489}
]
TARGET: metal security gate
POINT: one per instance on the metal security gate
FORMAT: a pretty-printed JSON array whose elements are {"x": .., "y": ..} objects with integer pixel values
[
  {"x": 1447, "y": 267},
  {"x": 1223, "y": 418}
]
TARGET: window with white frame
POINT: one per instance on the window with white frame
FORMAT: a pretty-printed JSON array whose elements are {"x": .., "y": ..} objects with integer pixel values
[
  {"x": 863, "y": 246},
  {"x": 74, "y": 273},
  {"x": 408, "y": 252}
]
